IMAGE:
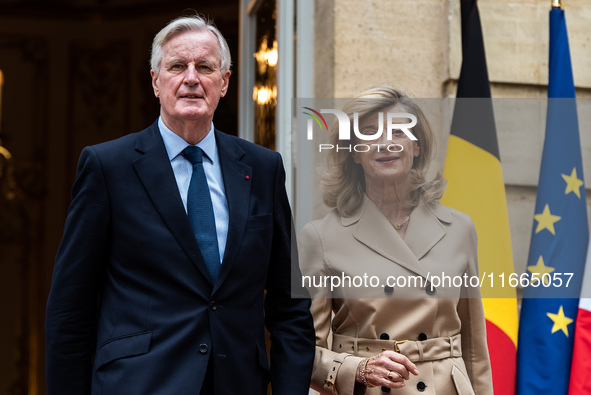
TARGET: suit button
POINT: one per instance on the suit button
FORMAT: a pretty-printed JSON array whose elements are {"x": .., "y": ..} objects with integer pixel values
[
  {"x": 388, "y": 290},
  {"x": 385, "y": 390},
  {"x": 213, "y": 305},
  {"x": 422, "y": 336},
  {"x": 421, "y": 386},
  {"x": 203, "y": 348},
  {"x": 429, "y": 288},
  {"x": 384, "y": 336}
]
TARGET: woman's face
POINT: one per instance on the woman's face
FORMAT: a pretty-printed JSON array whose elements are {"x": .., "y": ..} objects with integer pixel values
[{"x": 379, "y": 163}]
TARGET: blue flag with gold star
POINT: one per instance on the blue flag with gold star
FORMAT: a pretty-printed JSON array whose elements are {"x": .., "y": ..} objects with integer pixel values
[{"x": 559, "y": 236}]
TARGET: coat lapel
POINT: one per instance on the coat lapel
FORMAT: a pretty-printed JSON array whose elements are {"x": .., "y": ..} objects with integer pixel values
[
  {"x": 374, "y": 230},
  {"x": 237, "y": 180},
  {"x": 425, "y": 228},
  {"x": 155, "y": 172}
]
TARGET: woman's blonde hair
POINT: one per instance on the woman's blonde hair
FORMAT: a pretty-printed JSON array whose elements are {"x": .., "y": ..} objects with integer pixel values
[{"x": 343, "y": 181}]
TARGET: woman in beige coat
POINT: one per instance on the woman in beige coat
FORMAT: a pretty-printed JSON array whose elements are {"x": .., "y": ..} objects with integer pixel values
[{"x": 389, "y": 268}]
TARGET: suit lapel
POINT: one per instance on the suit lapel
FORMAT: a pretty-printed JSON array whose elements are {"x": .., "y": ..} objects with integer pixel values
[
  {"x": 155, "y": 172},
  {"x": 237, "y": 180},
  {"x": 374, "y": 230}
]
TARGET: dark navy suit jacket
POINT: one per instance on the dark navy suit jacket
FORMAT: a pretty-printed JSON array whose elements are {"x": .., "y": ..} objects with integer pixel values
[{"x": 132, "y": 309}]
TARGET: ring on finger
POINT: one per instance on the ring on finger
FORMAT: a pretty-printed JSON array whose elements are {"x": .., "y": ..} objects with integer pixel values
[{"x": 389, "y": 376}]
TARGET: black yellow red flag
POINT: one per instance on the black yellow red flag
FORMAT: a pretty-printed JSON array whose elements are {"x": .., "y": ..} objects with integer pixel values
[{"x": 476, "y": 187}]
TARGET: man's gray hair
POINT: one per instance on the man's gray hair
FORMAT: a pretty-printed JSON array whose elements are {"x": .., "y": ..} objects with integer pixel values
[{"x": 185, "y": 24}]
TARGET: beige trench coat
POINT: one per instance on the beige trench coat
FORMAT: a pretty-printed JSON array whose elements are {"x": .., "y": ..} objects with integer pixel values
[{"x": 440, "y": 242}]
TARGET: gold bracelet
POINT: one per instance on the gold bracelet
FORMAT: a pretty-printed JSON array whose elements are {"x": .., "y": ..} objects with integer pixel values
[{"x": 362, "y": 372}]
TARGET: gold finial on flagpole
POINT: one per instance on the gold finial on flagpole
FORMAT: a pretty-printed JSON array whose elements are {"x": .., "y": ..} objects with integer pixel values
[{"x": 558, "y": 4}]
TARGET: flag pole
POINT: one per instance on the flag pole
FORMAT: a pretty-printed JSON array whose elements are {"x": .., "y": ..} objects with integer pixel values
[{"x": 558, "y": 4}]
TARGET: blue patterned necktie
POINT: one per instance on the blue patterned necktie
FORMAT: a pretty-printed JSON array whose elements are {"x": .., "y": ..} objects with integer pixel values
[{"x": 200, "y": 212}]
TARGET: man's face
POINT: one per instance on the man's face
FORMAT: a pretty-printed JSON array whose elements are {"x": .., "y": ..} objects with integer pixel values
[{"x": 190, "y": 83}]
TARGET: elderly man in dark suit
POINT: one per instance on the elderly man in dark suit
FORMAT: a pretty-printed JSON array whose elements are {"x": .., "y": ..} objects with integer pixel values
[{"x": 172, "y": 238}]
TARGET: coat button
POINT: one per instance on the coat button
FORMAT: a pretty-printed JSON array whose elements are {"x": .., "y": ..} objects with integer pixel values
[
  {"x": 429, "y": 288},
  {"x": 385, "y": 390},
  {"x": 203, "y": 348},
  {"x": 384, "y": 336},
  {"x": 213, "y": 305},
  {"x": 388, "y": 290},
  {"x": 421, "y": 386},
  {"x": 422, "y": 336}
]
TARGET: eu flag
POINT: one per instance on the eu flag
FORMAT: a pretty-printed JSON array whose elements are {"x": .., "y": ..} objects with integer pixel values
[{"x": 559, "y": 236}]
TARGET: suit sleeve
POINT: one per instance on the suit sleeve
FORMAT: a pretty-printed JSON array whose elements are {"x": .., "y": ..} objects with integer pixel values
[
  {"x": 70, "y": 326},
  {"x": 334, "y": 373},
  {"x": 288, "y": 319},
  {"x": 471, "y": 313}
]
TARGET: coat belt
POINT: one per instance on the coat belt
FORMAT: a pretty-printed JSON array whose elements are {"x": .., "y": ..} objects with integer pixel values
[{"x": 417, "y": 351}]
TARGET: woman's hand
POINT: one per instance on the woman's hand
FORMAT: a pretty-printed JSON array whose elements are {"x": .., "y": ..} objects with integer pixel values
[{"x": 388, "y": 369}]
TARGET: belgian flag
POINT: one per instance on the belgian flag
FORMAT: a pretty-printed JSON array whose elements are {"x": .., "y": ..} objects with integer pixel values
[{"x": 476, "y": 187}]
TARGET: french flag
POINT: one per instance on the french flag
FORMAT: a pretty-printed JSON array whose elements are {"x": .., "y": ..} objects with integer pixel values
[{"x": 580, "y": 383}]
